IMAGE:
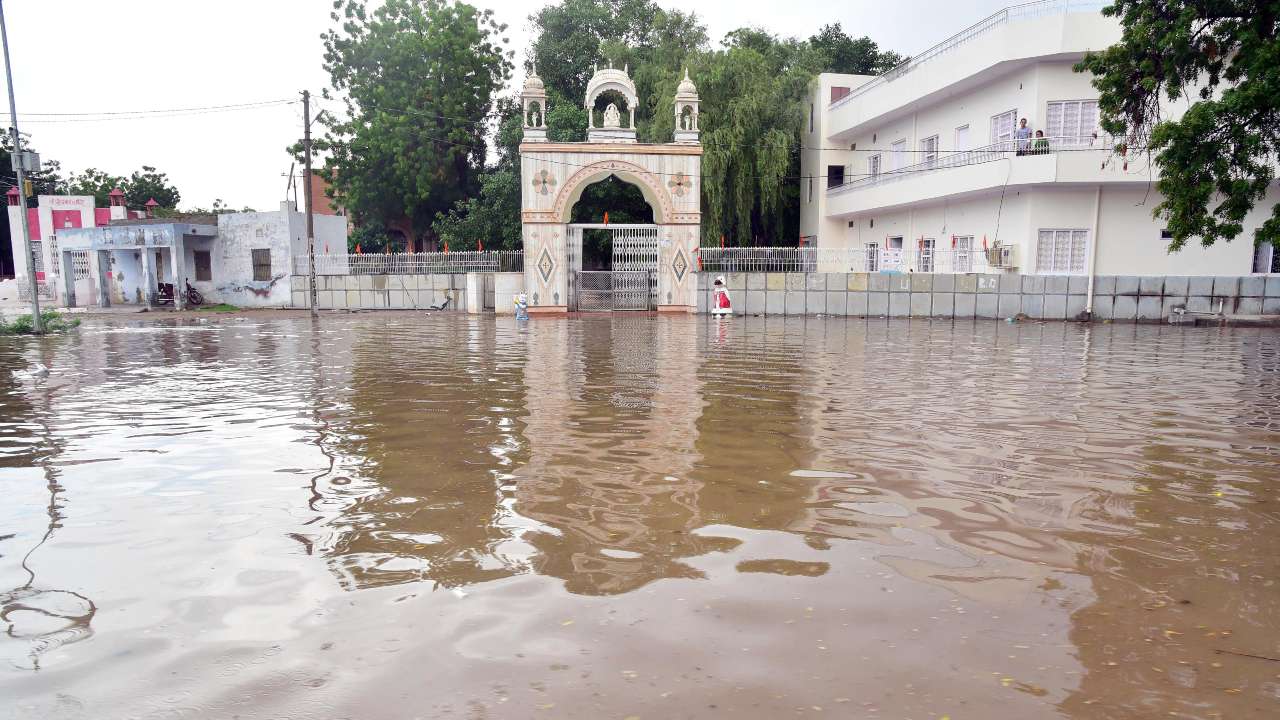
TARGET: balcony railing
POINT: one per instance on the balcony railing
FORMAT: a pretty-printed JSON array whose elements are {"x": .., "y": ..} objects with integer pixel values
[
  {"x": 989, "y": 153},
  {"x": 810, "y": 259},
  {"x": 1010, "y": 14},
  {"x": 430, "y": 263}
]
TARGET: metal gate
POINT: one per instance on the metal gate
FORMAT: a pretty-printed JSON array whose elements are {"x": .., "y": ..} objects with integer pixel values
[
  {"x": 613, "y": 290},
  {"x": 631, "y": 284}
]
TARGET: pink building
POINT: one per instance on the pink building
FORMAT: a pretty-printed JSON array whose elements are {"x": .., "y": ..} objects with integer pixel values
[{"x": 53, "y": 213}]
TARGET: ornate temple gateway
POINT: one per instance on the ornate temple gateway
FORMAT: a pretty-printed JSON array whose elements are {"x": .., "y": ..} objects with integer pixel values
[{"x": 653, "y": 265}]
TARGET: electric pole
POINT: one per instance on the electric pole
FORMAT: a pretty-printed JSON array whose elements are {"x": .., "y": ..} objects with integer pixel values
[
  {"x": 311, "y": 235},
  {"x": 19, "y": 162}
]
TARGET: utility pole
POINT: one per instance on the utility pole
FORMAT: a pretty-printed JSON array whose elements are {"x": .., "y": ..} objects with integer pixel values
[
  {"x": 311, "y": 235},
  {"x": 19, "y": 162}
]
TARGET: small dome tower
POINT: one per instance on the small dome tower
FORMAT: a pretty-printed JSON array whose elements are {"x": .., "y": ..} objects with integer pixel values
[
  {"x": 687, "y": 111},
  {"x": 533, "y": 101}
]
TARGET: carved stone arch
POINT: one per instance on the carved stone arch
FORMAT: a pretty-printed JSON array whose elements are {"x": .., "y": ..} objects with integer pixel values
[
  {"x": 653, "y": 190},
  {"x": 627, "y": 91}
]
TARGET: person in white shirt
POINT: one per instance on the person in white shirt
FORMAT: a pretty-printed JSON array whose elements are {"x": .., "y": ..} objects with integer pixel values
[{"x": 1023, "y": 137}]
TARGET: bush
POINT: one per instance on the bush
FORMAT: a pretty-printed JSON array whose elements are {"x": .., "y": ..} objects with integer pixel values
[{"x": 52, "y": 320}]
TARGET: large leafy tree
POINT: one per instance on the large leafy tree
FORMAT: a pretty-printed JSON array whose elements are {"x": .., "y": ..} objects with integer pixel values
[
  {"x": 752, "y": 90},
  {"x": 139, "y": 187},
  {"x": 842, "y": 53},
  {"x": 418, "y": 79},
  {"x": 1216, "y": 160}
]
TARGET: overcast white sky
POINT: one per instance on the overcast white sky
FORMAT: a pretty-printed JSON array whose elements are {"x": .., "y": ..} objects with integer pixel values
[{"x": 89, "y": 56}]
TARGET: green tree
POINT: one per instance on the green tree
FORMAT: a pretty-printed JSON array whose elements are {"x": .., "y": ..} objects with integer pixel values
[
  {"x": 418, "y": 78},
  {"x": 491, "y": 218},
  {"x": 46, "y": 182},
  {"x": 95, "y": 182},
  {"x": 1216, "y": 160},
  {"x": 141, "y": 186},
  {"x": 843, "y": 53},
  {"x": 148, "y": 184}
]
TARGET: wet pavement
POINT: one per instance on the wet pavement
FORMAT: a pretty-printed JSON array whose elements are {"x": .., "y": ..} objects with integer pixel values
[{"x": 398, "y": 516}]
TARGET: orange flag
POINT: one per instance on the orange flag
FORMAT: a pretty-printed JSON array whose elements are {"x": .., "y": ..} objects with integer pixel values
[
  {"x": 446, "y": 246},
  {"x": 606, "y": 217},
  {"x": 358, "y": 250}
]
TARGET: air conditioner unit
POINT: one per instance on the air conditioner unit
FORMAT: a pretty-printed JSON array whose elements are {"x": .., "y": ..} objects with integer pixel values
[{"x": 1002, "y": 256}]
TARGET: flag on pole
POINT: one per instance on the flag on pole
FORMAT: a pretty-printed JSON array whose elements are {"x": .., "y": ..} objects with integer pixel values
[
  {"x": 358, "y": 250},
  {"x": 984, "y": 242},
  {"x": 606, "y": 217},
  {"x": 479, "y": 245},
  {"x": 446, "y": 247}
]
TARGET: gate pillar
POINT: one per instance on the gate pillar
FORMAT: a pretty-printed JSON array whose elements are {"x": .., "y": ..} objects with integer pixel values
[
  {"x": 677, "y": 268},
  {"x": 546, "y": 267}
]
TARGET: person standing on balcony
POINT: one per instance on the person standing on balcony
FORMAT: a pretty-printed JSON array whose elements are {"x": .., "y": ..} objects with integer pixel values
[{"x": 1022, "y": 137}]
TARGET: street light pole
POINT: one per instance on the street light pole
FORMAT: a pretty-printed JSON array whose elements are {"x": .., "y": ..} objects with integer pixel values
[
  {"x": 311, "y": 235},
  {"x": 18, "y": 160}
]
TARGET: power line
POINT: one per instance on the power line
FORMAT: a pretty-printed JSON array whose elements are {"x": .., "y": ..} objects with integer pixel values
[{"x": 231, "y": 106}]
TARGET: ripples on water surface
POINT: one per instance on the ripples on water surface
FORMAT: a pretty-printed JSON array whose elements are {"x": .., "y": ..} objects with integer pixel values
[{"x": 392, "y": 516}]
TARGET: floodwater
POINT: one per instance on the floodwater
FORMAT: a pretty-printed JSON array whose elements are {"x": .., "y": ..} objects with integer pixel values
[{"x": 401, "y": 516}]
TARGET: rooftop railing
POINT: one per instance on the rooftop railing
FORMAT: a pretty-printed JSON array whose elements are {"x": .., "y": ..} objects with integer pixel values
[
  {"x": 1014, "y": 13},
  {"x": 989, "y": 153},
  {"x": 429, "y": 263}
]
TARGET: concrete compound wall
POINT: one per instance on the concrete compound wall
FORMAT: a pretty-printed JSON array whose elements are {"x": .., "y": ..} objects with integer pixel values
[
  {"x": 382, "y": 292},
  {"x": 1047, "y": 297}
]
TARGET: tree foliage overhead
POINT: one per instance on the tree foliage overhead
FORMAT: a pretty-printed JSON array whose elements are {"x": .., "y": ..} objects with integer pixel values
[
  {"x": 418, "y": 79},
  {"x": 1216, "y": 160},
  {"x": 752, "y": 90},
  {"x": 139, "y": 187}
]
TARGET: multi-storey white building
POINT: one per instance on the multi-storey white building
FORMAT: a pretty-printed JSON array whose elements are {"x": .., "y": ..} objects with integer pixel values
[{"x": 923, "y": 166}]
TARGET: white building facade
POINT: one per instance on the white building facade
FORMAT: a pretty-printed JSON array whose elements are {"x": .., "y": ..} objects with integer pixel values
[{"x": 923, "y": 169}]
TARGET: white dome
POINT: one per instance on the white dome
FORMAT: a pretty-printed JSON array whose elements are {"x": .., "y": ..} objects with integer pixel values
[
  {"x": 686, "y": 88},
  {"x": 533, "y": 84},
  {"x": 611, "y": 79}
]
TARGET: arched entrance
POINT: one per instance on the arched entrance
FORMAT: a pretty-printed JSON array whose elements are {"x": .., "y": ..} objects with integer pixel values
[{"x": 651, "y": 264}]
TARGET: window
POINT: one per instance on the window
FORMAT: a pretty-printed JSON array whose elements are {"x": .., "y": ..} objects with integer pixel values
[
  {"x": 894, "y": 243},
  {"x": 204, "y": 266},
  {"x": 810, "y": 117},
  {"x": 37, "y": 257},
  {"x": 838, "y": 92},
  {"x": 899, "y": 156},
  {"x": 262, "y": 265},
  {"x": 80, "y": 264},
  {"x": 962, "y": 138},
  {"x": 926, "y": 254},
  {"x": 929, "y": 150},
  {"x": 835, "y": 175},
  {"x": 964, "y": 253},
  {"x": 1072, "y": 121},
  {"x": 1062, "y": 252},
  {"x": 1002, "y": 126},
  {"x": 873, "y": 165},
  {"x": 1166, "y": 234},
  {"x": 873, "y": 257}
]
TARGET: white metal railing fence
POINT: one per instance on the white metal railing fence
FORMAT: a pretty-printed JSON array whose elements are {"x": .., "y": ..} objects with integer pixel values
[
  {"x": 810, "y": 259},
  {"x": 431, "y": 263},
  {"x": 988, "y": 153},
  {"x": 1013, "y": 13}
]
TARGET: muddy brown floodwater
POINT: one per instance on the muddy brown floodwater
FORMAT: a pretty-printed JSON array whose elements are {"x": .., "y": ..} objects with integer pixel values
[{"x": 398, "y": 516}]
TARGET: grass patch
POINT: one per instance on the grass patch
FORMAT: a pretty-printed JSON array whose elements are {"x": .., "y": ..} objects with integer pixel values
[
  {"x": 220, "y": 307},
  {"x": 52, "y": 320}
]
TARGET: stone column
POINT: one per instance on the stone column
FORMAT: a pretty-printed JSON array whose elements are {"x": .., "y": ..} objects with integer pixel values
[
  {"x": 67, "y": 264},
  {"x": 179, "y": 263},
  {"x": 100, "y": 271},
  {"x": 149, "y": 279},
  {"x": 677, "y": 268}
]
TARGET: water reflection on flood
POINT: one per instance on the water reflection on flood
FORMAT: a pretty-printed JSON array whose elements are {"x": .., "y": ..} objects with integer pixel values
[{"x": 394, "y": 515}]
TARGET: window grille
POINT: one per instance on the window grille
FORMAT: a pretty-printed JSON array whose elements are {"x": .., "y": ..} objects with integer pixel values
[
  {"x": 1062, "y": 252},
  {"x": 262, "y": 265}
]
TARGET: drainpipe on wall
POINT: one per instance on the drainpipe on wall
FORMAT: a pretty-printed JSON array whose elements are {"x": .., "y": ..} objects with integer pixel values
[{"x": 1093, "y": 249}]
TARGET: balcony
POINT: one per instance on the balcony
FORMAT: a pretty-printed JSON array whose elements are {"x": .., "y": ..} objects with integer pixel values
[
  {"x": 1061, "y": 29},
  {"x": 1082, "y": 160}
]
